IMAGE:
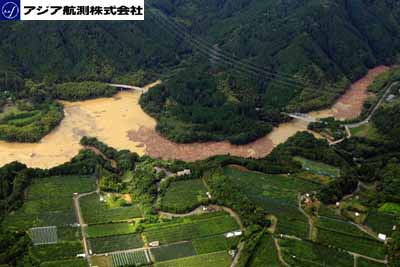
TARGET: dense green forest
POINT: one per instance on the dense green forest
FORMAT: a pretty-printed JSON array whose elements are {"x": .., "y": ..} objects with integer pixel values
[{"x": 221, "y": 62}]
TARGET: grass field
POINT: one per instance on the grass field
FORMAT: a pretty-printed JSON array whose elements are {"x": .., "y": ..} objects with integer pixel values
[
  {"x": 217, "y": 259},
  {"x": 344, "y": 235},
  {"x": 197, "y": 228},
  {"x": 102, "y": 261},
  {"x": 265, "y": 253},
  {"x": 318, "y": 167},
  {"x": 388, "y": 207},
  {"x": 95, "y": 211},
  {"x": 183, "y": 196},
  {"x": 65, "y": 263},
  {"x": 114, "y": 243},
  {"x": 368, "y": 131},
  {"x": 59, "y": 251},
  {"x": 308, "y": 254},
  {"x": 49, "y": 202},
  {"x": 381, "y": 222},
  {"x": 100, "y": 230},
  {"x": 129, "y": 258},
  {"x": 174, "y": 251}
]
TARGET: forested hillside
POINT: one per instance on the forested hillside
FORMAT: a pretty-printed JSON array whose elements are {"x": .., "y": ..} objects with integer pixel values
[{"x": 229, "y": 67}]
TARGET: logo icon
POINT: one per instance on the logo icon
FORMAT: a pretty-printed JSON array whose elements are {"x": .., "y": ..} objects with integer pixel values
[{"x": 10, "y": 11}]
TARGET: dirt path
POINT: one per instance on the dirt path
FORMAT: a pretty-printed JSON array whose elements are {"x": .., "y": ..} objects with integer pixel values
[
  {"x": 310, "y": 221},
  {"x": 385, "y": 261},
  {"x": 279, "y": 252},
  {"x": 82, "y": 224}
]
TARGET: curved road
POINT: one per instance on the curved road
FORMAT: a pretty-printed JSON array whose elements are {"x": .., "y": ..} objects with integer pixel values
[{"x": 371, "y": 114}]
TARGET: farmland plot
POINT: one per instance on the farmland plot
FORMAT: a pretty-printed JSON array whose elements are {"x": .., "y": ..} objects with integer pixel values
[
  {"x": 277, "y": 187},
  {"x": 173, "y": 232},
  {"x": 381, "y": 222},
  {"x": 44, "y": 235},
  {"x": 130, "y": 258},
  {"x": 114, "y": 243},
  {"x": 174, "y": 251},
  {"x": 59, "y": 251},
  {"x": 214, "y": 244},
  {"x": 49, "y": 202},
  {"x": 217, "y": 259},
  {"x": 307, "y": 254},
  {"x": 182, "y": 196},
  {"x": 95, "y": 211},
  {"x": 344, "y": 235},
  {"x": 101, "y": 230},
  {"x": 265, "y": 253},
  {"x": 65, "y": 263}
]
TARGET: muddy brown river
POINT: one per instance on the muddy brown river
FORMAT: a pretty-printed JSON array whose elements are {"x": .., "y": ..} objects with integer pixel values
[{"x": 120, "y": 122}]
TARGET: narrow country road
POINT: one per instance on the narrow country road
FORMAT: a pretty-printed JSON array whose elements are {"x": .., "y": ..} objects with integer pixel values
[{"x": 375, "y": 109}]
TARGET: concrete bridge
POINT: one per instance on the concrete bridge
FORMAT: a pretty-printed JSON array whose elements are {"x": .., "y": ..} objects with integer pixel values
[
  {"x": 301, "y": 116},
  {"x": 126, "y": 87}
]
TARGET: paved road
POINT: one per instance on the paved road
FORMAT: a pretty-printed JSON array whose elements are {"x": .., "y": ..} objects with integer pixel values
[{"x": 375, "y": 109}]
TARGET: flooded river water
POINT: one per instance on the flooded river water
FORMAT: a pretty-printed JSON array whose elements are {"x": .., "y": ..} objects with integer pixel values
[{"x": 120, "y": 122}]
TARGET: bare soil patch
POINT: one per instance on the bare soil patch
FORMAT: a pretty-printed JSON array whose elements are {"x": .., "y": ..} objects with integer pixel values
[{"x": 160, "y": 147}]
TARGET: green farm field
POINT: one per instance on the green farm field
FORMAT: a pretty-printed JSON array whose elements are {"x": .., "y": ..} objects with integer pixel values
[
  {"x": 101, "y": 230},
  {"x": 214, "y": 244},
  {"x": 65, "y": 263},
  {"x": 318, "y": 167},
  {"x": 381, "y": 222},
  {"x": 278, "y": 187},
  {"x": 347, "y": 236},
  {"x": 56, "y": 252},
  {"x": 182, "y": 196},
  {"x": 95, "y": 211},
  {"x": 265, "y": 253},
  {"x": 217, "y": 259},
  {"x": 308, "y": 254},
  {"x": 189, "y": 230},
  {"x": 173, "y": 251},
  {"x": 114, "y": 243},
  {"x": 49, "y": 202},
  {"x": 277, "y": 194}
]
